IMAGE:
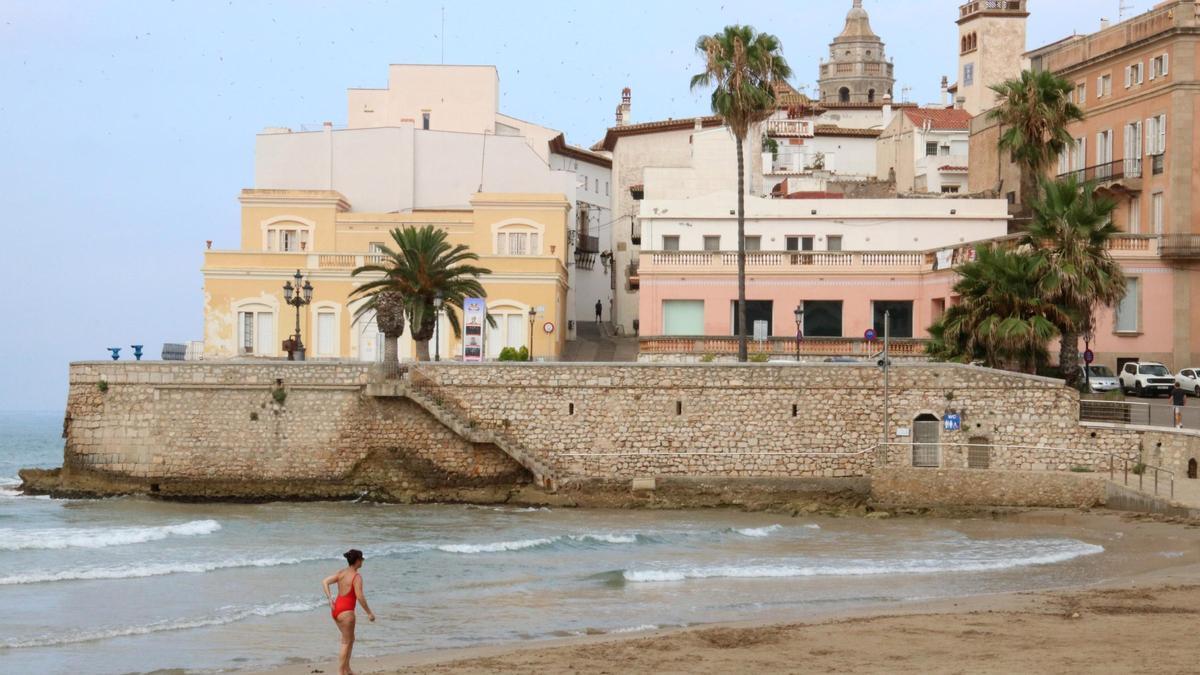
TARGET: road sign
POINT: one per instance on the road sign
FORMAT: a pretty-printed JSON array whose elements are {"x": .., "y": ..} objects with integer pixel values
[
  {"x": 548, "y": 327},
  {"x": 1089, "y": 356},
  {"x": 869, "y": 335}
]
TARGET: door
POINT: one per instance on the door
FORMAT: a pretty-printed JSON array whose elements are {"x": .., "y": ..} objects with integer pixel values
[
  {"x": 325, "y": 333},
  {"x": 370, "y": 341},
  {"x": 926, "y": 447},
  {"x": 266, "y": 335}
]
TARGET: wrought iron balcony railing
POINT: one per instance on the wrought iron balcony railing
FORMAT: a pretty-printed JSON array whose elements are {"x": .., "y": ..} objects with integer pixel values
[{"x": 1108, "y": 172}]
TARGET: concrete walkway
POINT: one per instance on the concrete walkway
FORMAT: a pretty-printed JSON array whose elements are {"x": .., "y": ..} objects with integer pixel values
[{"x": 594, "y": 343}]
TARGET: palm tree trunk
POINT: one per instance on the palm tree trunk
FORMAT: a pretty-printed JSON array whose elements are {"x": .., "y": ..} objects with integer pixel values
[
  {"x": 391, "y": 357},
  {"x": 422, "y": 349},
  {"x": 1068, "y": 356},
  {"x": 741, "y": 243}
]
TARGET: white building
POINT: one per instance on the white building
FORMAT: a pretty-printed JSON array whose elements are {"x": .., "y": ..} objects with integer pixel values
[
  {"x": 433, "y": 138},
  {"x": 925, "y": 150}
]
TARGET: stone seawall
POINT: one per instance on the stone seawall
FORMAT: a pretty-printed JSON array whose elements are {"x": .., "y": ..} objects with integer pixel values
[
  {"x": 262, "y": 429},
  {"x": 907, "y": 486}
]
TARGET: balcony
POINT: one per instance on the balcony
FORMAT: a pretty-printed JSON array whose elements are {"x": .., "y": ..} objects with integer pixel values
[
  {"x": 991, "y": 6},
  {"x": 1180, "y": 246},
  {"x": 1125, "y": 172},
  {"x": 632, "y": 279},
  {"x": 790, "y": 128},
  {"x": 783, "y": 347}
]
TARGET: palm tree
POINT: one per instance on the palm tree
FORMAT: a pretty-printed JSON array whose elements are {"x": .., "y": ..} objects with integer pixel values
[
  {"x": 388, "y": 307},
  {"x": 1070, "y": 232},
  {"x": 1001, "y": 318},
  {"x": 1033, "y": 113},
  {"x": 420, "y": 265},
  {"x": 743, "y": 65}
]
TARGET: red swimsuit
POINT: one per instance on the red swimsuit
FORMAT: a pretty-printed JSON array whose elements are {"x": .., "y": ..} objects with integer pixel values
[{"x": 345, "y": 603}]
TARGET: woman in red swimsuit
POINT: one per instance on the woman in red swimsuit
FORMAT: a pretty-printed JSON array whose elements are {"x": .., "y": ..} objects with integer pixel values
[{"x": 350, "y": 592}]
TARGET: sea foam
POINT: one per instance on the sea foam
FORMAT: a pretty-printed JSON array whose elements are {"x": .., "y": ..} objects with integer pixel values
[
  {"x": 850, "y": 567},
  {"x": 758, "y": 531},
  {"x": 541, "y": 542},
  {"x": 99, "y": 537},
  {"x": 222, "y": 616}
]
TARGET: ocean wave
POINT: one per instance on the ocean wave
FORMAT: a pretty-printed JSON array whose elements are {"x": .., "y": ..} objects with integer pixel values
[
  {"x": 223, "y": 616},
  {"x": 635, "y": 629},
  {"x": 847, "y": 568},
  {"x": 758, "y": 531},
  {"x": 543, "y": 542},
  {"x": 99, "y": 537}
]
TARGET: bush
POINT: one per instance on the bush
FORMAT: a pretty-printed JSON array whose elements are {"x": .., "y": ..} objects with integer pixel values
[
  {"x": 279, "y": 394},
  {"x": 102, "y": 385},
  {"x": 1081, "y": 469},
  {"x": 1139, "y": 468},
  {"x": 759, "y": 358},
  {"x": 510, "y": 354},
  {"x": 708, "y": 358}
]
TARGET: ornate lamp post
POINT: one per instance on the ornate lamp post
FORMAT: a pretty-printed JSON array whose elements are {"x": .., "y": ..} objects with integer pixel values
[
  {"x": 437, "y": 320},
  {"x": 799, "y": 312},
  {"x": 532, "y": 316},
  {"x": 297, "y": 296}
]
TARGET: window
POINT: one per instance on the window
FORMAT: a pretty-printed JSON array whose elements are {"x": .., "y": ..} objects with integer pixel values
[
  {"x": 754, "y": 243},
  {"x": 1135, "y": 215},
  {"x": 833, "y": 242},
  {"x": 518, "y": 242},
  {"x": 1081, "y": 92},
  {"x": 822, "y": 318},
  {"x": 670, "y": 242},
  {"x": 605, "y": 188},
  {"x": 800, "y": 243},
  {"x": 1127, "y": 310},
  {"x": 712, "y": 242},
  {"x": 585, "y": 183},
  {"x": 931, "y": 148},
  {"x": 425, "y": 121},
  {"x": 256, "y": 331},
  {"x": 1156, "y": 212},
  {"x": 683, "y": 317},
  {"x": 1103, "y": 86},
  {"x": 870, "y": 96},
  {"x": 844, "y": 95},
  {"x": 756, "y": 311},
  {"x": 944, "y": 150},
  {"x": 1134, "y": 74},
  {"x": 326, "y": 334},
  {"x": 1158, "y": 66},
  {"x": 899, "y": 315},
  {"x": 287, "y": 239},
  {"x": 792, "y": 243},
  {"x": 969, "y": 74},
  {"x": 950, "y": 189},
  {"x": 1156, "y": 135}
]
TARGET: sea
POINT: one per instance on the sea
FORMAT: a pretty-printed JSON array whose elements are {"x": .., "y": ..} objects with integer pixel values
[{"x": 132, "y": 585}]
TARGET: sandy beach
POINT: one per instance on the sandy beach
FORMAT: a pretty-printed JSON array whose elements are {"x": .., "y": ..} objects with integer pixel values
[{"x": 1147, "y": 621}]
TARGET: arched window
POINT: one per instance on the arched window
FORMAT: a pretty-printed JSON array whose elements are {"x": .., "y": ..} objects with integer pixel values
[
  {"x": 511, "y": 329},
  {"x": 870, "y": 96},
  {"x": 963, "y": 48},
  {"x": 844, "y": 95},
  {"x": 517, "y": 238},
  {"x": 255, "y": 328},
  {"x": 287, "y": 234}
]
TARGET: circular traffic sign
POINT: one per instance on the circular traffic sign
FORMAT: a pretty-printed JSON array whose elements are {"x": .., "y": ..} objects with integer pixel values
[
  {"x": 548, "y": 327},
  {"x": 870, "y": 335},
  {"x": 1089, "y": 356}
]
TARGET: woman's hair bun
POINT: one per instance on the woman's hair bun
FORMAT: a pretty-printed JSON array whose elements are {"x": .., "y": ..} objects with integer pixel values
[{"x": 352, "y": 556}]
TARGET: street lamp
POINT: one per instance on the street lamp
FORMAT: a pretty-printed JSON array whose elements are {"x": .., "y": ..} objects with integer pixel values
[
  {"x": 532, "y": 316},
  {"x": 799, "y": 312},
  {"x": 437, "y": 320},
  {"x": 297, "y": 296}
]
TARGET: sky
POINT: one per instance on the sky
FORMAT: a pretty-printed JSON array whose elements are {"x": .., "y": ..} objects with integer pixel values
[{"x": 127, "y": 127}]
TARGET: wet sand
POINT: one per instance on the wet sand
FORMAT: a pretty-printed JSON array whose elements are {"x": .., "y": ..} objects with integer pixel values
[{"x": 1146, "y": 619}]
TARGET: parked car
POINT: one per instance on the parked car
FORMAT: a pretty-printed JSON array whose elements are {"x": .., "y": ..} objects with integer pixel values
[
  {"x": 1099, "y": 378},
  {"x": 1188, "y": 379},
  {"x": 1146, "y": 378}
]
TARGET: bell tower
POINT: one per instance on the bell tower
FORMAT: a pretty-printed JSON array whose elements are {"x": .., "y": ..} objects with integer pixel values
[
  {"x": 991, "y": 40},
  {"x": 857, "y": 70}
]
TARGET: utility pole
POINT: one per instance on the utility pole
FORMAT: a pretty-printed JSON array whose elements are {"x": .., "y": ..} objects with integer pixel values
[{"x": 887, "y": 365}]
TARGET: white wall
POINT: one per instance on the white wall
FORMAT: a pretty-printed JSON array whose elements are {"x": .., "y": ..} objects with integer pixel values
[{"x": 459, "y": 98}]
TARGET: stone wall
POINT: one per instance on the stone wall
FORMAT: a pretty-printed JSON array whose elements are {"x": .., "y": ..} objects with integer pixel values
[
  {"x": 907, "y": 486},
  {"x": 219, "y": 422}
]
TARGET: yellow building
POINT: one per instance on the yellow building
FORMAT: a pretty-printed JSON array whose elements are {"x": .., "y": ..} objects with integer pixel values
[{"x": 520, "y": 237}]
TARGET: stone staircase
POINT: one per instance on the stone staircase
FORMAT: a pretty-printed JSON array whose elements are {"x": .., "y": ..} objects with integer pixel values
[{"x": 543, "y": 474}]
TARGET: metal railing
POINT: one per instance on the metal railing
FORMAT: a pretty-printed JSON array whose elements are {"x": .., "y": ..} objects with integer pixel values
[
  {"x": 1180, "y": 245},
  {"x": 1139, "y": 413},
  {"x": 784, "y": 347},
  {"x": 1034, "y": 458},
  {"x": 1108, "y": 171}
]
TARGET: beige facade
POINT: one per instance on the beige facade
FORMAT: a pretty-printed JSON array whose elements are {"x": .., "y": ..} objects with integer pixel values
[
  {"x": 991, "y": 36},
  {"x": 926, "y": 150},
  {"x": 521, "y": 238},
  {"x": 438, "y": 98}
]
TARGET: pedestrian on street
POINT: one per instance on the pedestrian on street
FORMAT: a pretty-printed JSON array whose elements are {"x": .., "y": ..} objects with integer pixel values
[
  {"x": 1178, "y": 399},
  {"x": 599, "y": 311}
]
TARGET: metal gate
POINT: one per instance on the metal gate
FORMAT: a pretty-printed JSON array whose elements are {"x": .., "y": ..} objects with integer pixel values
[{"x": 926, "y": 449}]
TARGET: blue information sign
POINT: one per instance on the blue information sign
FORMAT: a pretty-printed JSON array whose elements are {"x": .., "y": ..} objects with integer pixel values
[
  {"x": 952, "y": 421},
  {"x": 870, "y": 335}
]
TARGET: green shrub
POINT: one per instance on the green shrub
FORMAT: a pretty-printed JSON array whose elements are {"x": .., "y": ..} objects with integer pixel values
[
  {"x": 708, "y": 358},
  {"x": 1081, "y": 469},
  {"x": 102, "y": 385},
  {"x": 1114, "y": 395},
  {"x": 1139, "y": 468},
  {"x": 254, "y": 416},
  {"x": 512, "y": 354},
  {"x": 759, "y": 358},
  {"x": 279, "y": 394}
]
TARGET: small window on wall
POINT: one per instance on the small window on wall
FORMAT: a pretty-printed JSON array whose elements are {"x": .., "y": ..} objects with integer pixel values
[
  {"x": 712, "y": 243},
  {"x": 900, "y": 317},
  {"x": 950, "y": 189},
  {"x": 931, "y": 148},
  {"x": 969, "y": 74},
  {"x": 834, "y": 242},
  {"x": 822, "y": 318},
  {"x": 754, "y": 243},
  {"x": 287, "y": 239},
  {"x": 671, "y": 242},
  {"x": 256, "y": 332},
  {"x": 1127, "y": 310},
  {"x": 425, "y": 121},
  {"x": 518, "y": 242}
]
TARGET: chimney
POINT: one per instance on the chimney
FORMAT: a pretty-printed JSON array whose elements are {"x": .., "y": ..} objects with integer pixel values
[
  {"x": 887, "y": 109},
  {"x": 698, "y": 124},
  {"x": 1104, "y": 23},
  {"x": 623, "y": 110},
  {"x": 945, "y": 91},
  {"x": 959, "y": 102}
]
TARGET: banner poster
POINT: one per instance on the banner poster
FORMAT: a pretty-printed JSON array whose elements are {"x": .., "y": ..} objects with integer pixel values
[{"x": 474, "y": 318}]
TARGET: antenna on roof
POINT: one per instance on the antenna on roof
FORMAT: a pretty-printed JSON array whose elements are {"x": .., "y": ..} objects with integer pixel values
[
  {"x": 904, "y": 91},
  {"x": 1122, "y": 7},
  {"x": 443, "y": 35}
]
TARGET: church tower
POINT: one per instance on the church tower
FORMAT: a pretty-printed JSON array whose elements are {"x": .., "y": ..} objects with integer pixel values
[
  {"x": 857, "y": 71},
  {"x": 991, "y": 41}
]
